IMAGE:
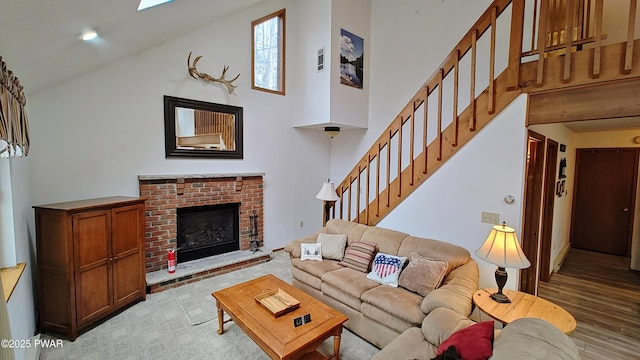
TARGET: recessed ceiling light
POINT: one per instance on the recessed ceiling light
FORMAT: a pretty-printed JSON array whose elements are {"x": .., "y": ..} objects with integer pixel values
[
  {"x": 89, "y": 35},
  {"x": 145, "y": 4}
]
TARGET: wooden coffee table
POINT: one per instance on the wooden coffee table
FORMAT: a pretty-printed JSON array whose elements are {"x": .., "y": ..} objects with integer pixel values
[
  {"x": 523, "y": 305},
  {"x": 277, "y": 336}
]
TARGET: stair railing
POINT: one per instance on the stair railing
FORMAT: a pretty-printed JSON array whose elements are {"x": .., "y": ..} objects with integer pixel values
[
  {"x": 417, "y": 140},
  {"x": 438, "y": 120}
]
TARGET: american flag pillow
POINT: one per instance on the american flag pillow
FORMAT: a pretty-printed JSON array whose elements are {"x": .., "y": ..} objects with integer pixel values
[{"x": 386, "y": 269}]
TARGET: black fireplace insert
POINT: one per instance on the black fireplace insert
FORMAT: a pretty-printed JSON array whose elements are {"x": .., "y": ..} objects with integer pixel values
[{"x": 207, "y": 230}]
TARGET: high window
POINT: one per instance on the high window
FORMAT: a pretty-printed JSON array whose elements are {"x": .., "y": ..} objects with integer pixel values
[{"x": 268, "y": 53}]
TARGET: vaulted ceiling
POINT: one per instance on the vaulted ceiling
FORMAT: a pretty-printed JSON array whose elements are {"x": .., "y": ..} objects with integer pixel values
[{"x": 38, "y": 38}]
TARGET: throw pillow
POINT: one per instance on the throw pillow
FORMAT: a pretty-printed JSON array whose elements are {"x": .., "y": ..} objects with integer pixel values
[
  {"x": 450, "y": 354},
  {"x": 386, "y": 269},
  {"x": 332, "y": 245},
  {"x": 358, "y": 255},
  {"x": 311, "y": 251},
  {"x": 474, "y": 342},
  {"x": 422, "y": 275}
]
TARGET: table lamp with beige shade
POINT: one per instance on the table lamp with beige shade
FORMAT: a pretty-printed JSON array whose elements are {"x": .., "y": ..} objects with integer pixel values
[
  {"x": 502, "y": 249},
  {"x": 327, "y": 194}
]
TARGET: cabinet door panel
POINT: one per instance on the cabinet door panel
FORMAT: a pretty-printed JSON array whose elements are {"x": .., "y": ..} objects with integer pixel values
[
  {"x": 127, "y": 273},
  {"x": 95, "y": 297},
  {"x": 127, "y": 224},
  {"x": 92, "y": 232},
  {"x": 92, "y": 237},
  {"x": 126, "y": 230}
]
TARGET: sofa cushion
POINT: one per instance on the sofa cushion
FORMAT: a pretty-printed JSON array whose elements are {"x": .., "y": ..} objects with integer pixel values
[
  {"x": 333, "y": 245},
  {"x": 358, "y": 256},
  {"x": 306, "y": 278},
  {"x": 293, "y": 247},
  {"x": 531, "y": 338},
  {"x": 398, "y": 302},
  {"x": 422, "y": 275},
  {"x": 311, "y": 251},
  {"x": 384, "y": 318},
  {"x": 316, "y": 268},
  {"x": 441, "y": 323},
  {"x": 434, "y": 249},
  {"x": 387, "y": 241},
  {"x": 456, "y": 291},
  {"x": 353, "y": 230},
  {"x": 408, "y": 345},
  {"x": 341, "y": 296},
  {"x": 474, "y": 342},
  {"x": 386, "y": 269},
  {"x": 349, "y": 281}
]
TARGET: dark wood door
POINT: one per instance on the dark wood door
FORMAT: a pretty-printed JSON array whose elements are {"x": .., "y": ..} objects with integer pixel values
[
  {"x": 550, "y": 167},
  {"x": 604, "y": 200},
  {"x": 92, "y": 243},
  {"x": 128, "y": 276},
  {"x": 532, "y": 208}
]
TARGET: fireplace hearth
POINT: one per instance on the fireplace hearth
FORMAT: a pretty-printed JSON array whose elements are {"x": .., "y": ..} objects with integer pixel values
[
  {"x": 207, "y": 230},
  {"x": 170, "y": 195}
]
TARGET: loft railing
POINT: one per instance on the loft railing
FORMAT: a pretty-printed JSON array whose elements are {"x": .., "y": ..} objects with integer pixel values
[
  {"x": 569, "y": 26},
  {"x": 455, "y": 101}
]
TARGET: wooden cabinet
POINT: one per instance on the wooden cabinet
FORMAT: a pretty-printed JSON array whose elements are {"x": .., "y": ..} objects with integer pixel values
[{"x": 90, "y": 260}]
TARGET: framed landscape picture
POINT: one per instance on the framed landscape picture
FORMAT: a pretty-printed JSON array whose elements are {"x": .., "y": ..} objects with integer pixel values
[{"x": 351, "y": 59}]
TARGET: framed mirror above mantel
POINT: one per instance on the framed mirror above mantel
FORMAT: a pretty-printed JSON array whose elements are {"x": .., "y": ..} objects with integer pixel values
[{"x": 194, "y": 128}]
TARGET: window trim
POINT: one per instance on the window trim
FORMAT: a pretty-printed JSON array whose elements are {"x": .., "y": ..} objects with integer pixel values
[{"x": 280, "y": 14}]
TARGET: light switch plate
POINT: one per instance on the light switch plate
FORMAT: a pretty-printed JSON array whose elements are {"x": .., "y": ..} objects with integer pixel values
[{"x": 490, "y": 218}]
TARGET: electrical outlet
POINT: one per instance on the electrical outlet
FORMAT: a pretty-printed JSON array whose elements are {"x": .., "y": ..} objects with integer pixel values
[
  {"x": 301, "y": 224},
  {"x": 490, "y": 218}
]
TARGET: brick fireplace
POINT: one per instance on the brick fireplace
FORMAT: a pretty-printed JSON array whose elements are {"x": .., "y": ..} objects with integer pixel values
[{"x": 165, "y": 194}]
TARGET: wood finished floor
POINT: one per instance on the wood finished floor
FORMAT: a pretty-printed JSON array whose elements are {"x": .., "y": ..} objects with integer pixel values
[{"x": 603, "y": 295}]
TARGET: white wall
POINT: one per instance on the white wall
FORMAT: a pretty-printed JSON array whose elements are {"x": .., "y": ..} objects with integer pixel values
[
  {"x": 313, "y": 86},
  {"x": 93, "y": 135},
  {"x": 350, "y": 106},
  {"x": 22, "y": 304},
  {"x": 562, "y": 205},
  {"x": 615, "y": 12},
  {"x": 7, "y": 234},
  {"x": 448, "y": 205},
  {"x": 405, "y": 50}
]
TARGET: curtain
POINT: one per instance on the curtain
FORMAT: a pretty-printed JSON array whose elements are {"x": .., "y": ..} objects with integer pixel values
[{"x": 14, "y": 126}]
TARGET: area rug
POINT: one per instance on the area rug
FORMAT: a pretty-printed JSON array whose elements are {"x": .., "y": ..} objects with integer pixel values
[{"x": 198, "y": 308}]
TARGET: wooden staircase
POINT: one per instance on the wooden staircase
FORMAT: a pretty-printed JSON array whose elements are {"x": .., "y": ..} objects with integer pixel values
[{"x": 434, "y": 125}]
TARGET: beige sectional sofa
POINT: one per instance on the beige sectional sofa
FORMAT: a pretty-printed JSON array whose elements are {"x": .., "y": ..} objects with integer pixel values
[
  {"x": 380, "y": 313},
  {"x": 526, "y": 338}
]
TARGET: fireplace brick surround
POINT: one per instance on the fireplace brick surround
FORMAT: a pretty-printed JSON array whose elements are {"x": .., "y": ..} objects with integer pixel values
[{"x": 164, "y": 194}]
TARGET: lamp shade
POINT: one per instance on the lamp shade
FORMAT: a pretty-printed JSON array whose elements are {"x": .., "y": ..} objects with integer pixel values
[
  {"x": 327, "y": 192},
  {"x": 503, "y": 249}
]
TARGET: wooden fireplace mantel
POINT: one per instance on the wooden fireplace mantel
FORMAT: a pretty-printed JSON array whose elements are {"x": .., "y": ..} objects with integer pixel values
[{"x": 198, "y": 176}]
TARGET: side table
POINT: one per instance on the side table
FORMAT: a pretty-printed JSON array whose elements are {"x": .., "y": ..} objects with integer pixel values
[{"x": 523, "y": 305}]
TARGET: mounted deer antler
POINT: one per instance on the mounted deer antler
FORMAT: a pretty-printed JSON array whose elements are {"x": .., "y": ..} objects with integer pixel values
[{"x": 195, "y": 74}]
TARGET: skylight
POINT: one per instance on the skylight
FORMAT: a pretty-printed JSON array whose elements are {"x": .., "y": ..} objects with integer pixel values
[{"x": 145, "y": 4}]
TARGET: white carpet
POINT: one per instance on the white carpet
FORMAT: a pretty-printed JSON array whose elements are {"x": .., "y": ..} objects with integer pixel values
[
  {"x": 198, "y": 308},
  {"x": 162, "y": 327}
]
